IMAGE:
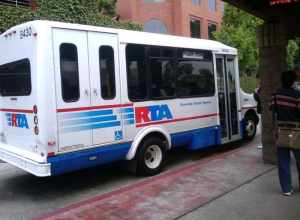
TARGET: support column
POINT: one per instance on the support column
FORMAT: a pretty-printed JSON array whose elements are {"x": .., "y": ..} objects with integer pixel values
[{"x": 273, "y": 40}]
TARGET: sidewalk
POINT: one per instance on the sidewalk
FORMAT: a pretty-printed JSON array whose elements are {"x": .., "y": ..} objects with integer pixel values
[
  {"x": 231, "y": 185},
  {"x": 258, "y": 199}
]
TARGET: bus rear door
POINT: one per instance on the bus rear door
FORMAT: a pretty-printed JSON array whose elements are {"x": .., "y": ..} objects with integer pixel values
[
  {"x": 72, "y": 88},
  {"x": 87, "y": 88}
]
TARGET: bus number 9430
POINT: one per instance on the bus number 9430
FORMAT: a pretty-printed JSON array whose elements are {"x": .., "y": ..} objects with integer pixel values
[{"x": 25, "y": 33}]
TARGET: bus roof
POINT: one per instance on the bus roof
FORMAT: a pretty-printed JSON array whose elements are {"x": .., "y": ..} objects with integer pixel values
[{"x": 137, "y": 37}]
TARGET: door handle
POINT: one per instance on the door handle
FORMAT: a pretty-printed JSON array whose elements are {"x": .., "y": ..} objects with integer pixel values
[
  {"x": 95, "y": 91},
  {"x": 86, "y": 92}
]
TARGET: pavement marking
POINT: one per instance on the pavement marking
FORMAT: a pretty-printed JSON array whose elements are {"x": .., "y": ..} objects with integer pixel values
[{"x": 173, "y": 193}]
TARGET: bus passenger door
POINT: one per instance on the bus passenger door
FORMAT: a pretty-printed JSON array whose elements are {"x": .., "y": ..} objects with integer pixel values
[
  {"x": 105, "y": 87},
  {"x": 72, "y": 88},
  {"x": 228, "y": 103}
]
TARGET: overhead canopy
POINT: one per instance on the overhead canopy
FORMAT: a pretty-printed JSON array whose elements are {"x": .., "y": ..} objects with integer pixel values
[
  {"x": 273, "y": 11},
  {"x": 268, "y": 9},
  {"x": 274, "y": 2}
]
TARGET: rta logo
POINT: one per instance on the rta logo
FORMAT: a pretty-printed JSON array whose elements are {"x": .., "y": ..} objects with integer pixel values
[
  {"x": 152, "y": 113},
  {"x": 17, "y": 120}
]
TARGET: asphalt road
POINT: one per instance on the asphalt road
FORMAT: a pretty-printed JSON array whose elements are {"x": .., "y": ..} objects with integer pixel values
[{"x": 24, "y": 196}]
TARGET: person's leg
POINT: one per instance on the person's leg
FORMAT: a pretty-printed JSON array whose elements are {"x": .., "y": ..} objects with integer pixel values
[
  {"x": 297, "y": 157},
  {"x": 284, "y": 169}
]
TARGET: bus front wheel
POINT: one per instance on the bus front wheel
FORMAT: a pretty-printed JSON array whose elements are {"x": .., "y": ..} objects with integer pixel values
[
  {"x": 151, "y": 156},
  {"x": 250, "y": 127}
]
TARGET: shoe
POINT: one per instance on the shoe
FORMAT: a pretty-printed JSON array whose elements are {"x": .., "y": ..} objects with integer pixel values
[{"x": 288, "y": 193}]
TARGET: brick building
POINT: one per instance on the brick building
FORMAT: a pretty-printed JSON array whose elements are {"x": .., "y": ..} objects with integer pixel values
[{"x": 192, "y": 18}]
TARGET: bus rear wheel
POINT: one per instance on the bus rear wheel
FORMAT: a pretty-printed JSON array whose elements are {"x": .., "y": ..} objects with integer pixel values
[{"x": 151, "y": 156}]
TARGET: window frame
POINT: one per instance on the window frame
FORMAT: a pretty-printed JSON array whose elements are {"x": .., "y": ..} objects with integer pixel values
[
  {"x": 127, "y": 71},
  {"x": 19, "y": 94},
  {"x": 114, "y": 72},
  {"x": 176, "y": 59},
  {"x": 215, "y": 6},
  {"x": 194, "y": 18},
  {"x": 150, "y": 77},
  {"x": 191, "y": 59},
  {"x": 208, "y": 31},
  {"x": 198, "y": 3},
  {"x": 78, "y": 74}
]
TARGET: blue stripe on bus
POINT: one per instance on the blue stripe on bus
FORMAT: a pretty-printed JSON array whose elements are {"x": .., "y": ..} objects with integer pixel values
[
  {"x": 86, "y": 114},
  {"x": 129, "y": 116},
  {"x": 92, "y": 126},
  {"x": 193, "y": 139},
  {"x": 88, "y": 158},
  {"x": 129, "y": 122},
  {"x": 127, "y": 110},
  {"x": 89, "y": 120},
  {"x": 198, "y": 138}
]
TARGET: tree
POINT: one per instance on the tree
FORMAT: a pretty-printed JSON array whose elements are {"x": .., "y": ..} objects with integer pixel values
[
  {"x": 73, "y": 11},
  {"x": 239, "y": 30},
  {"x": 107, "y": 7},
  {"x": 293, "y": 54}
]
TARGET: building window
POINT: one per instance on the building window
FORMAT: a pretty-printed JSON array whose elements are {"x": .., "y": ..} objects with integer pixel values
[
  {"x": 222, "y": 8},
  {"x": 195, "y": 27},
  {"x": 69, "y": 72},
  {"x": 211, "y": 29},
  {"x": 212, "y": 5},
  {"x": 155, "y": 26},
  {"x": 15, "y": 78},
  {"x": 107, "y": 72},
  {"x": 196, "y": 2}
]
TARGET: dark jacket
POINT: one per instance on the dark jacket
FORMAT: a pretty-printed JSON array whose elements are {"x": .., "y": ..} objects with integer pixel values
[{"x": 285, "y": 104}]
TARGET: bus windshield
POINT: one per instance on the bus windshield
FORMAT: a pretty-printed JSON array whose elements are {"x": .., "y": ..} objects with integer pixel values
[{"x": 15, "y": 78}]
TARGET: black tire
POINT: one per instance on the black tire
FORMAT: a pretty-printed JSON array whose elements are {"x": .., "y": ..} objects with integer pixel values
[
  {"x": 250, "y": 128},
  {"x": 151, "y": 157}
]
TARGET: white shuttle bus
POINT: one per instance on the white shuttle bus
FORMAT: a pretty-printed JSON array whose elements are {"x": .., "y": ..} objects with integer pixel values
[{"x": 76, "y": 96}]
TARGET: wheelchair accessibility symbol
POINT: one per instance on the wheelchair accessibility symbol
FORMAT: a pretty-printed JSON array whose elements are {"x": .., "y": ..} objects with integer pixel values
[{"x": 118, "y": 135}]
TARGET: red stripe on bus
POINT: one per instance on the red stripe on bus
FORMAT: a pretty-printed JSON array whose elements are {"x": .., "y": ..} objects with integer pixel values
[
  {"x": 176, "y": 120},
  {"x": 93, "y": 107},
  {"x": 51, "y": 154},
  {"x": 16, "y": 110},
  {"x": 251, "y": 107}
]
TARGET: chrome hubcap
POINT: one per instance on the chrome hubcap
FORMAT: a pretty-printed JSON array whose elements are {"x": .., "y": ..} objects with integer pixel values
[
  {"x": 250, "y": 128},
  {"x": 153, "y": 156}
]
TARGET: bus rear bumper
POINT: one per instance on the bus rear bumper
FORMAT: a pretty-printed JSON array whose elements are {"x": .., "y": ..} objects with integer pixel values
[{"x": 37, "y": 169}]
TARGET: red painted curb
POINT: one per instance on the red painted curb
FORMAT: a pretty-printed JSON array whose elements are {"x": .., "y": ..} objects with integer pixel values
[{"x": 179, "y": 171}]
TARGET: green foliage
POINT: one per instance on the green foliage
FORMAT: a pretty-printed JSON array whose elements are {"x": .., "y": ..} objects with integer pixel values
[
  {"x": 107, "y": 7},
  {"x": 293, "y": 54},
  {"x": 73, "y": 11},
  {"x": 248, "y": 83},
  {"x": 239, "y": 30}
]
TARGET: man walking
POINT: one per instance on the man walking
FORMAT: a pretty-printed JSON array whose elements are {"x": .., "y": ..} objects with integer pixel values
[{"x": 286, "y": 112}]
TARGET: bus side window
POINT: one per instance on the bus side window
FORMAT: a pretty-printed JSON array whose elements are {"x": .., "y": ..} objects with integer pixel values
[
  {"x": 161, "y": 62},
  {"x": 107, "y": 72},
  {"x": 195, "y": 77},
  {"x": 162, "y": 78},
  {"x": 136, "y": 72},
  {"x": 69, "y": 72}
]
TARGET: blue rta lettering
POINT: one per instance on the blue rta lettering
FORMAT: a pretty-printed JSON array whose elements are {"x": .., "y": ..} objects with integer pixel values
[
  {"x": 17, "y": 120},
  {"x": 160, "y": 112}
]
